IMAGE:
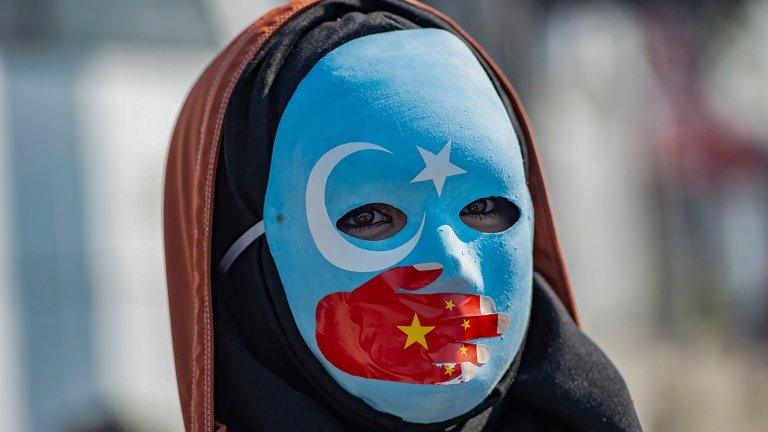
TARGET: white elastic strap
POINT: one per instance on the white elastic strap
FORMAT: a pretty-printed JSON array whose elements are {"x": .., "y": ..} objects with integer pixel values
[{"x": 240, "y": 245}]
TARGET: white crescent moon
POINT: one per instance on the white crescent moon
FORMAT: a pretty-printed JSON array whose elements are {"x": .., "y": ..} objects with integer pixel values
[{"x": 329, "y": 241}]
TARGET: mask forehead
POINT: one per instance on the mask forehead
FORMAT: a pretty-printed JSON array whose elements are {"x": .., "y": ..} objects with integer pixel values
[
  {"x": 361, "y": 127},
  {"x": 366, "y": 90}
]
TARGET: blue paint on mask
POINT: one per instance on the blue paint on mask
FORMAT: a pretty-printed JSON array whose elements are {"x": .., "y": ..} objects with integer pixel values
[{"x": 399, "y": 90}]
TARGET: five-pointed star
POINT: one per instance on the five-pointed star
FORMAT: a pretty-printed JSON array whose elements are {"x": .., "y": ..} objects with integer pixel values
[
  {"x": 465, "y": 324},
  {"x": 449, "y": 305},
  {"x": 416, "y": 332},
  {"x": 449, "y": 369},
  {"x": 463, "y": 350},
  {"x": 437, "y": 167}
]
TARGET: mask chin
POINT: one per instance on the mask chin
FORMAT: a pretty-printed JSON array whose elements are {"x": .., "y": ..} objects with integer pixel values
[{"x": 425, "y": 323}]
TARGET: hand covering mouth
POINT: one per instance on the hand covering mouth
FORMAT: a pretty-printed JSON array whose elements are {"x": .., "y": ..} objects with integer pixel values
[{"x": 384, "y": 330}]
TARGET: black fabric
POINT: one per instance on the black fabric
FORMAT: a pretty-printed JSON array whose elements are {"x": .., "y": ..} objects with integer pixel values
[
  {"x": 565, "y": 376},
  {"x": 266, "y": 378}
]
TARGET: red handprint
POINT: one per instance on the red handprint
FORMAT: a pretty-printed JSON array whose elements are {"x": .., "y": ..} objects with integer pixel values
[{"x": 378, "y": 331}]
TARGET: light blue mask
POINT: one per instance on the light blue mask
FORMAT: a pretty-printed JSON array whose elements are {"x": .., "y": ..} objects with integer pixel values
[{"x": 411, "y": 119}]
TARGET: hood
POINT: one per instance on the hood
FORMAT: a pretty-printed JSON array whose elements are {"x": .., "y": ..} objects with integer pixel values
[{"x": 189, "y": 201}]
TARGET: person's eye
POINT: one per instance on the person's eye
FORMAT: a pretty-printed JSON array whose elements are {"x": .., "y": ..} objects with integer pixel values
[
  {"x": 490, "y": 215},
  {"x": 374, "y": 221}
]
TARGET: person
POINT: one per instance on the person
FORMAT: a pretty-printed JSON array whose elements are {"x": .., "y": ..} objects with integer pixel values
[{"x": 358, "y": 237}]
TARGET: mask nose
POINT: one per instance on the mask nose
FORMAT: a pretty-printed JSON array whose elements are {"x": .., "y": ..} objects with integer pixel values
[{"x": 461, "y": 264}]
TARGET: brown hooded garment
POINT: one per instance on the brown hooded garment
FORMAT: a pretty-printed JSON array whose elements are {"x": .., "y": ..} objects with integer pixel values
[{"x": 188, "y": 209}]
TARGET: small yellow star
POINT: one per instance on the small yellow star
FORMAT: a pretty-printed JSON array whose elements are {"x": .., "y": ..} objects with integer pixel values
[
  {"x": 449, "y": 369},
  {"x": 449, "y": 305},
  {"x": 416, "y": 332},
  {"x": 463, "y": 350},
  {"x": 465, "y": 324}
]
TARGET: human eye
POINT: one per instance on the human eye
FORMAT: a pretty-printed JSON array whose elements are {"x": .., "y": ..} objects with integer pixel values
[
  {"x": 490, "y": 214},
  {"x": 373, "y": 221}
]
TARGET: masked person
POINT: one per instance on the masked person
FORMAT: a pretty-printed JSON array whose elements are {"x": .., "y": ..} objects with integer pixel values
[{"x": 358, "y": 238}]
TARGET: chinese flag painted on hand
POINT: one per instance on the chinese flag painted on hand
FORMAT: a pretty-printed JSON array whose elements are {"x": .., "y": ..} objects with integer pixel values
[{"x": 377, "y": 331}]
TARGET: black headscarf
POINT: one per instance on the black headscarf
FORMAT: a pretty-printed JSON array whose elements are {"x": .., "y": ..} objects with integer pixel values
[{"x": 265, "y": 377}]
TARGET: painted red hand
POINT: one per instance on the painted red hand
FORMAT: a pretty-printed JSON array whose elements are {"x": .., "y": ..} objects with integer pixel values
[{"x": 378, "y": 331}]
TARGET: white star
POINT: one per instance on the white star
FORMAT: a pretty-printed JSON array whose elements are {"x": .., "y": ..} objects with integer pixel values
[{"x": 437, "y": 167}]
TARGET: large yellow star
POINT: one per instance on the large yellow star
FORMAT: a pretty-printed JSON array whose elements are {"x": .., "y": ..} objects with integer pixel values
[{"x": 416, "y": 332}]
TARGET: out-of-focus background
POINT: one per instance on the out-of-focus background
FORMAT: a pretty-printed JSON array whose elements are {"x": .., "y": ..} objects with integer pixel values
[{"x": 652, "y": 118}]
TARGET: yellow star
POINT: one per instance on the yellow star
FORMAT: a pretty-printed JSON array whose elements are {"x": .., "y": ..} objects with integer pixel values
[
  {"x": 449, "y": 369},
  {"x": 463, "y": 350},
  {"x": 465, "y": 324},
  {"x": 449, "y": 305},
  {"x": 416, "y": 332}
]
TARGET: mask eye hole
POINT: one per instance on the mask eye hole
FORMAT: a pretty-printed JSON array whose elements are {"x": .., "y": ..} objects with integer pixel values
[
  {"x": 373, "y": 221},
  {"x": 490, "y": 214}
]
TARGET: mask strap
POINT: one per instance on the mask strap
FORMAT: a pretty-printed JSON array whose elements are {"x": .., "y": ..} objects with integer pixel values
[{"x": 240, "y": 245}]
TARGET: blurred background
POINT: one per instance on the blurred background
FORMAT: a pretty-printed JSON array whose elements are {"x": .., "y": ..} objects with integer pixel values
[{"x": 652, "y": 118}]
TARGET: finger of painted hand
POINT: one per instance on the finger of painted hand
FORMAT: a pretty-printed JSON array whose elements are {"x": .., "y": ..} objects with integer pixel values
[
  {"x": 445, "y": 305},
  {"x": 471, "y": 327},
  {"x": 458, "y": 372},
  {"x": 439, "y": 373},
  {"x": 412, "y": 277},
  {"x": 460, "y": 353},
  {"x": 436, "y": 374}
]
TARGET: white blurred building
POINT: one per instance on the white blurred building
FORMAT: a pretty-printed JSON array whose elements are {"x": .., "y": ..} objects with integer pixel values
[{"x": 89, "y": 92}]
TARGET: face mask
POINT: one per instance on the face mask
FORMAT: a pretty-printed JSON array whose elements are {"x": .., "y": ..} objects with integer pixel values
[{"x": 399, "y": 219}]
